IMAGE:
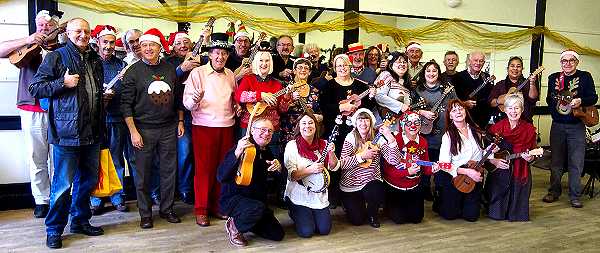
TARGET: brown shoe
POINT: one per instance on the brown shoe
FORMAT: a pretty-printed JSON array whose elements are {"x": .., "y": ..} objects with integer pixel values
[
  {"x": 549, "y": 198},
  {"x": 235, "y": 237},
  {"x": 202, "y": 220}
]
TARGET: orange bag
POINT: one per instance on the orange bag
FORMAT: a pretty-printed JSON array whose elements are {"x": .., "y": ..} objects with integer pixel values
[{"x": 108, "y": 180}]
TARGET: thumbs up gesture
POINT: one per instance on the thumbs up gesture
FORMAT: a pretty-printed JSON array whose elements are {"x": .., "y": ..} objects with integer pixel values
[{"x": 71, "y": 80}]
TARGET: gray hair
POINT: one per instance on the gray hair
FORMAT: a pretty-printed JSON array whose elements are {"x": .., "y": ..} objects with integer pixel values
[
  {"x": 514, "y": 99},
  {"x": 128, "y": 34},
  {"x": 311, "y": 46}
]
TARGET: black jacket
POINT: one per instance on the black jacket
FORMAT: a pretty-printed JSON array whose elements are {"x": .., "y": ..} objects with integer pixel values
[{"x": 71, "y": 122}]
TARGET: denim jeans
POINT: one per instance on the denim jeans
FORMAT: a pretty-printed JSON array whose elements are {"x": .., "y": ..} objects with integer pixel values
[
  {"x": 76, "y": 165},
  {"x": 185, "y": 160},
  {"x": 309, "y": 221},
  {"x": 119, "y": 144}
]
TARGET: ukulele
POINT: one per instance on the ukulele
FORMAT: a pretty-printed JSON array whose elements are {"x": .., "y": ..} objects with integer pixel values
[
  {"x": 514, "y": 90},
  {"x": 247, "y": 61},
  {"x": 195, "y": 54},
  {"x": 587, "y": 114},
  {"x": 318, "y": 182},
  {"x": 259, "y": 107},
  {"x": 427, "y": 124},
  {"x": 420, "y": 104},
  {"x": 489, "y": 79},
  {"x": 387, "y": 121},
  {"x": 302, "y": 88},
  {"x": 505, "y": 155},
  {"x": 442, "y": 165},
  {"x": 21, "y": 56},
  {"x": 244, "y": 172},
  {"x": 464, "y": 183},
  {"x": 112, "y": 82},
  {"x": 355, "y": 100}
]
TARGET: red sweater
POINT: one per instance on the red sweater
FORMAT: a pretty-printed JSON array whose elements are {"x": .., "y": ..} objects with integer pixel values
[
  {"x": 397, "y": 176},
  {"x": 249, "y": 91}
]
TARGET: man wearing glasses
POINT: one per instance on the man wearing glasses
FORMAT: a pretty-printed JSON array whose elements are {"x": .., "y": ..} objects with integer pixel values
[
  {"x": 71, "y": 77},
  {"x": 567, "y": 134},
  {"x": 246, "y": 206},
  {"x": 181, "y": 46}
]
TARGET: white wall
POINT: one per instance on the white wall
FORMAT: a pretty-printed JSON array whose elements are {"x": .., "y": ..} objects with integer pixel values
[{"x": 13, "y": 24}]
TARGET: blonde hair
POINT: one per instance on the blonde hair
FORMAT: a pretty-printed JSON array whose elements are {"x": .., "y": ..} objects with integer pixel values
[
  {"x": 344, "y": 58},
  {"x": 256, "y": 62},
  {"x": 513, "y": 99}
]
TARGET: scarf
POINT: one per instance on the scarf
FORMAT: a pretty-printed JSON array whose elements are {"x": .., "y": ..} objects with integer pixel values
[{"x": 308, "y": 150}]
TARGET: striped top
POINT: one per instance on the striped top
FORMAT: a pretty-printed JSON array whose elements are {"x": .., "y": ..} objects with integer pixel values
[{"x": 354, "y": 177}]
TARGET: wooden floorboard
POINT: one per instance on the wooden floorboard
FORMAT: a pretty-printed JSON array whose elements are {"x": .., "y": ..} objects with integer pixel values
[{"x": 555, "y": 227}]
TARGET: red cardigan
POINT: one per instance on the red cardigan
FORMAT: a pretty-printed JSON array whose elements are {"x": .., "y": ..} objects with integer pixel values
[
  {"x": 398, "y": 176},
  {"x": 249, "y": 91}
]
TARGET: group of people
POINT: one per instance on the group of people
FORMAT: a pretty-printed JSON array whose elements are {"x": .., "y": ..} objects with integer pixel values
[{"x": 185, "y": 121}]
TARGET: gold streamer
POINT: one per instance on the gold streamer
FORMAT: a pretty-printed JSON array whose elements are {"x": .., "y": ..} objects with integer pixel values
[{"x": 455, "y": 31}]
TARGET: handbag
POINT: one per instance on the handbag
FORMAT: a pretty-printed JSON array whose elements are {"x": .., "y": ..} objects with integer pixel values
[{"x": 108, "y": 180}]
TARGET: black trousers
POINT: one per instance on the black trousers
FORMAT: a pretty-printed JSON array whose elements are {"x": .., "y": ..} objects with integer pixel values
[
  {"x": 453, "y": 204},
  {"x": 404, "y": 206},
  {"x": 161, "y": 141},
  {"x": 364, "y": 203},
  {"x": 254, "y": 216}
]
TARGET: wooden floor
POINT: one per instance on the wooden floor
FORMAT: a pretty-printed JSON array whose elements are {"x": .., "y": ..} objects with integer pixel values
[{"x": 554, "y": 227}]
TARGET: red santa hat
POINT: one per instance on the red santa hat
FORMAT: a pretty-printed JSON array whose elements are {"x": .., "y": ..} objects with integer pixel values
[
  {"x": 101, "y": 30},
  {"x": 241, "y": 32},
  {"x": 154, "y": 35},
  {"x": 119, "y": 45},
  {"x": 177, "y": 35}
]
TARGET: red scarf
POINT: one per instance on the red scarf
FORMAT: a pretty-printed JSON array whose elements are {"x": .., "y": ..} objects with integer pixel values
[
  {"x": 561, "y": 81},
  {"x": 308, "y": 150},
  {"x": 522, "y": 138}
]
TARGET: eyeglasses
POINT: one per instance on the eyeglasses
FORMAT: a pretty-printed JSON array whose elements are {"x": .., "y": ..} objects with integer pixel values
[
  {"x": 302, "y": 68},
  {"x": 413, "y": 123},
  {"x": 565, "y": 61},
  {"x": 263, "y": 130},
  {"x": 284, "y": 45},
  {"x": 341, "y": 66}
]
